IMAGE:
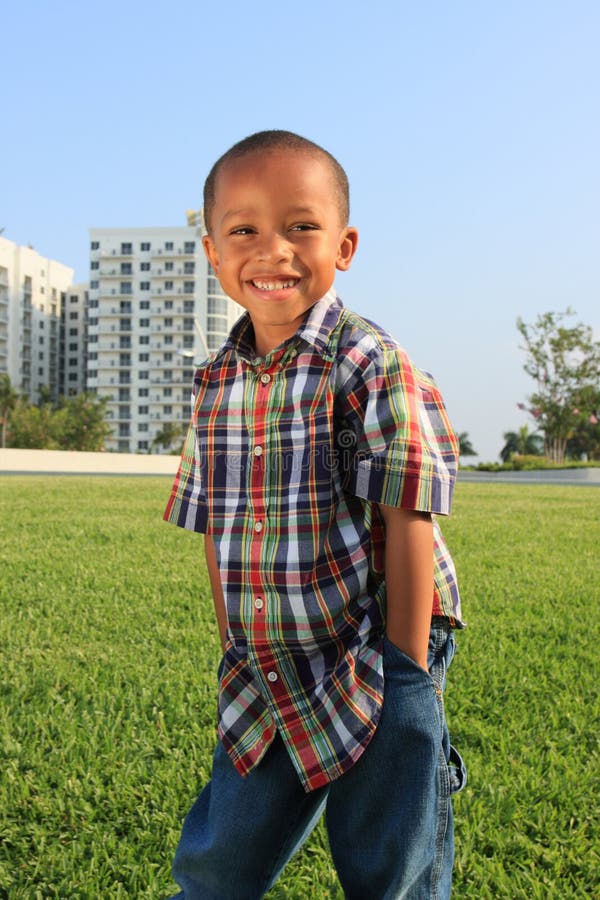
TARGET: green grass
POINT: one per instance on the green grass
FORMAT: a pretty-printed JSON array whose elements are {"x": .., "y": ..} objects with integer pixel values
[{"x": 107, "y": 713}]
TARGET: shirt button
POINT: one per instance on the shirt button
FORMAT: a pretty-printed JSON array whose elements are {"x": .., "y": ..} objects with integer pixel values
[
  {"x": 258, "y": 451},
  {"x": 265, "y": 378},
  {"x": 272, "y": 676},
  {"x": 258, "y": 527},
  {"x": 259, "y": 603}
]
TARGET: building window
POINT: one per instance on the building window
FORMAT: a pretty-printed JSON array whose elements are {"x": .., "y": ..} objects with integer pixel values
[
  {"x": 126, "y": 249},
  {"x": 144, "y": 375},
  {"x": 144, "y": 285},
  {"x": 189, "y": 247},
  {"x": 41, "y": 340},
  {"x": 168, "y": 339},
  {"x": 144, "y": 357},
  {"x": 168, "y": 304},
  {"x": 94, "y": 285},
  {"x": 73, "y": 375},
  {"x": 188, "y": 287},
  {"x": 168, "y": 322},
  {"x": 168, "y": 245},
  {"x": 92, "y": 338},
  {"x": 144, "y": 304},
  {"x": 143, "y": 392},
  {"x": 167, "y": 357},
  {"x": 73, "y": 332},
  {"x": 93, "y": 265},
  {"x": 143, "y": 426},
  {"x": 126, "y": 268},
  {"x": 188, "y": 306},
  {"x": 125, "y": 287},
  {"x": 93, "y": 320},
  {"x": 124, "y": 324},
  {"x": 189, "y": 268},
  {"x": 168, "y": 285},
  {"x": 73, "y": 348},
  {"x": 145, "y": 267},
  {"x": 72, "y": 361},
  {"x": 93, "y": 355},
  {"x": 143, "y": 410},
  {"x": 167, "y": 375},
  {"x": 74, "y": 314},
  {"x": 95, "y": 245},
  {"x": 167, "y": 392},
  {"x": 145, "y": 246},
  {"x": 144, "y": 323},
  {"x": 167, "y": 410},
  {"x": 125, "y": 342},
  {"x": 142, "y": 445},
  {"x": 144, "y": 339},
  {"x": 125, "y": 306},
  {"x": 169, "y": 266}
]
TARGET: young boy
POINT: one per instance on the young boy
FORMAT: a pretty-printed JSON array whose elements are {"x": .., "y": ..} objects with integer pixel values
[{"x": 315, "y": 459}]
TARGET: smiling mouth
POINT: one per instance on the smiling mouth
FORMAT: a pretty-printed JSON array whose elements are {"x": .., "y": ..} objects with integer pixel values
[{"x": 261, "y": 285}]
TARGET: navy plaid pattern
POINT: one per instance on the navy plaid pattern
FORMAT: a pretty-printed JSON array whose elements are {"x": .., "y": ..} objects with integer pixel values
[{"x": 284, "y": 464}]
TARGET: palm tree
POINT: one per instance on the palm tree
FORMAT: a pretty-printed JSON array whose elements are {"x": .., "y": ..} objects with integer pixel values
[
  {"x": 465, "y": 447},
  {"x": 521, "y": 442},
  {"x": 8, "y": 401}
]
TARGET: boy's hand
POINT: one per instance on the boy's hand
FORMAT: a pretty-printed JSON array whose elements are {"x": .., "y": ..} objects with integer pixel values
[{"x": 409, "y": 580}]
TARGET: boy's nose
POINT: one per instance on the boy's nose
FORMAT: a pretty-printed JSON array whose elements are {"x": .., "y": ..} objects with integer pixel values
[{"x": 274, "y": 247}]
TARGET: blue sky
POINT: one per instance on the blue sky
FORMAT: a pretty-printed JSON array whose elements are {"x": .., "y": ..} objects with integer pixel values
[{"x": 470, "y": 132}]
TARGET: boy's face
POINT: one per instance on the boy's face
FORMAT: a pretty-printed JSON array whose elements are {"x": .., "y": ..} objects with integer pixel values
[{"x": 277, "y": 238}]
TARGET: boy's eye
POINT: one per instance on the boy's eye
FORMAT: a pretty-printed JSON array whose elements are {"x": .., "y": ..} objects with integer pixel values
[
  {"x": 304, "y": 226},
  {"x": 242, "y": 229}
]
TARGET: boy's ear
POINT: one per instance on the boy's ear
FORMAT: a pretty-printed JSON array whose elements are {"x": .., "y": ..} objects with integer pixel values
[
  {"x": 211, "y": 252},
  {"x": 347, "y": 248}
]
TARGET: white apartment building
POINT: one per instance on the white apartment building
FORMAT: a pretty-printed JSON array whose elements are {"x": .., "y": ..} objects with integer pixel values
[
  {"x": 32, "y": 290},
  {"x": 154, "y": 310},
  {"x": 73, "y": 341}
]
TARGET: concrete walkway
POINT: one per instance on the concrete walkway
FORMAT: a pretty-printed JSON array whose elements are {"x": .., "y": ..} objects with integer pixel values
[{"x": 67, "y": 462}]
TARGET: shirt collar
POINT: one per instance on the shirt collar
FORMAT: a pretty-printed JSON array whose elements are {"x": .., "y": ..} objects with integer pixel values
[{"x": 315, "y": 330}]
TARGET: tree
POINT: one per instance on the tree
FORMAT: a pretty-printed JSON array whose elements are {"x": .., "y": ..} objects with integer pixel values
[
  {"x": 565, "y": 364},
  {"x": 31, "y": 427},
  {"x": 80, "y": 423},
  {"x": 585, "y": 439},
  {"x": 8, "y": 401},
  {"x": 522, "y": 442},
  {"x": 465, "y": 447},
  {"x": 171, "y": 433}
]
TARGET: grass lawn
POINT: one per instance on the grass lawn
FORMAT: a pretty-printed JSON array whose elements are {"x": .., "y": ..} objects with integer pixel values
[{"x": 109, "y": 650}]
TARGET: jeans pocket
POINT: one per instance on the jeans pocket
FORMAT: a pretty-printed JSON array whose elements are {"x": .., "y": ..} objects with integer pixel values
[
  {"x": 457, "y": 771},
  {"x": 397, "y": 662}
]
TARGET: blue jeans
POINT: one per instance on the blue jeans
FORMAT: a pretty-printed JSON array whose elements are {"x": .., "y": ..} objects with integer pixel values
[{"x": 389, "y": 818}]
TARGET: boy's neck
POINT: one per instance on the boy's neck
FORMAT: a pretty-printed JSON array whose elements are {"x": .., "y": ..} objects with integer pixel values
[{"x": 269, "y": 337}]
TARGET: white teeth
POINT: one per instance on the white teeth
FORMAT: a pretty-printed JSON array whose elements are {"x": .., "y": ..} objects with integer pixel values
[{"x": 273, "y": 285}]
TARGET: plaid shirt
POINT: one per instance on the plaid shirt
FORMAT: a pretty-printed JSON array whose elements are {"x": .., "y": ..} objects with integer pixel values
[{"x": 285, "y": 461}]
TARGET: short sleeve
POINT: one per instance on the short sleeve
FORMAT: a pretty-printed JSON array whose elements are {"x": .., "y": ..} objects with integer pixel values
[
  {"x": 404, "y": 452},
  {"x": 187, "y": 505}
]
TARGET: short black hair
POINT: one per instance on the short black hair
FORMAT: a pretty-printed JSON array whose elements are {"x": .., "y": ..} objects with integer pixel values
[{"x": 277, "y": 140}]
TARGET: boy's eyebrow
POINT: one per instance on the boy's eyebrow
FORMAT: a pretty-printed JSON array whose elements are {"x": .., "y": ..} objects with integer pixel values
[{"x": 248, "y": 211}]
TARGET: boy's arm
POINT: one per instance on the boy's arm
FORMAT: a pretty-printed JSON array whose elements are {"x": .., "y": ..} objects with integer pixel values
[
  {"x": 217, "y": 589},
  {"x": 409, "y": 579}
]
